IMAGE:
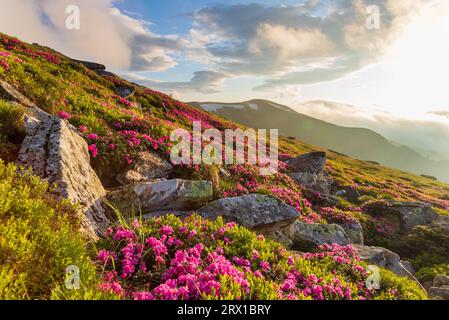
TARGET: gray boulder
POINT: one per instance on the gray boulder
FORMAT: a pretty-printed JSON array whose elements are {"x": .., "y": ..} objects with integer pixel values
[
  {"x": 150, "y": 166},
  {"x": 164, "y": 195},
  {"x": 56, "y": 152},
  {"x": 384, "y": 258},
  {"x": 124, "y": 91},
  {"x": 441, "y": 280},
  {"x": 316, "y": 182},
  {"x": 440, "y": 292},
  {"x": 313, "y": 162},
  {"x": 308, "y": 171},
  {"x": 306, "y": 237},
  {"x": 91, "y": 65},
  {"x": 258, "y": 212},
  {"x": 413, "y": 214},
  {"x": 354, "y": 230}
]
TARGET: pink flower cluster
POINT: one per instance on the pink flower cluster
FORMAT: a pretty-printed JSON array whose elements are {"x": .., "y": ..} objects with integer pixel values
[
  {"x": 183, "y": 272},
  {"x": 198, "y": 260},
  {"x": 48, "y": 56},
  {"x": 246, "y": 180},
  {"x": 296, "y": 200},
  {"x": 334, "y": 215},
  {"x": 319, "y": 289}
]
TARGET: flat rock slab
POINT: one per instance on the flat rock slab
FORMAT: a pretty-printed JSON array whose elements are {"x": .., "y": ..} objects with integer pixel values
[
  {"x": 166, "y": 195},
  {"x": 254, "y": 211},
  {"x": 384, "y": 258},
  {"x": 306, "y": 237}
]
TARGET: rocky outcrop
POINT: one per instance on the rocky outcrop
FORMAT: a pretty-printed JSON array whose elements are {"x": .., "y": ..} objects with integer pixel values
[
  {"x": 254, "y": 211},
  {"x": 306, "y": 237},
  {"x": 164, "y": 195},
  {"x": 150, "y": 166},
  {"x": 384, "y": 258},
  {"x": 441, "y": 293},
  {"x": 410, "y": 214},
  {"x": 313, "y": 162},
  {"x": 441, "y": 280},
  {"x": 414, "y": 214},
  {"x": 91, "y": 65},
  {"x": 57, "y": 153},
  {"x": 440, "y": 287},
  {"x": 354, "y": 230},
  {"x": 308, "y": 171},
  {"x": 124, "y": 91},
  {"x": 9, "y": 93}
]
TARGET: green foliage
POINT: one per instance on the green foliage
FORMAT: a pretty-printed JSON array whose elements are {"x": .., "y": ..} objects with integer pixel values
[
  {"x": 393, "y": 285},
  {"x": 12, "y": 131},
  {"x": 429, "y": 273},
  {"x": 39, "y": 238}
]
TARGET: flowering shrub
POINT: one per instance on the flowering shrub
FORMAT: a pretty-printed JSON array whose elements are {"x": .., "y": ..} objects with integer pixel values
[{"x": 171, "y": 259}]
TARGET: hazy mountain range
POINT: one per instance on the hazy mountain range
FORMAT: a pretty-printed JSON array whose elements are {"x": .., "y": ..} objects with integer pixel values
[{"x": 361, "y": 143}]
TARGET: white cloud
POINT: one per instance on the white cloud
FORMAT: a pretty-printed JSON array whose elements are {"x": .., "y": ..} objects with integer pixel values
[{"x": 106, "y": 34}]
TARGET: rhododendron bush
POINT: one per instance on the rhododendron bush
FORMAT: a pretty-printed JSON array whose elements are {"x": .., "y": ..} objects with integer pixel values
[{"x": 171, "y": 259}]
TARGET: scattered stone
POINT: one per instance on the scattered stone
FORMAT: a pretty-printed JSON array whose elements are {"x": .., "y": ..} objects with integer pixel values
[
  {"x": 150, "y": 166},
  {"x": 311, "y": 163},
  {"x": 441, "y": 280},
  {"x": 410, "y": 214},
  {"x": 308, "y": 171},
  {"x": 354, "y": 230},
  {"x": 414, "y": 214},
  {"x": 165, "y": 195},
  {"x": 306, "y": 237},
  {"x": 124, "y": 92},
  {"x": 317, "y": 182},
  {"x": 384, "y": 258},
  {"x": 259, "y": 212},
  {"x": 441, "y": 292},
  {"x": 91, "y": 65}
]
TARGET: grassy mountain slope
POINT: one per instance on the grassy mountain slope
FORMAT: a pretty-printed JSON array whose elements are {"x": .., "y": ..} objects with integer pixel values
[
  {"x": 360, "y": 143},
  {"x": 117, "y": 128}
]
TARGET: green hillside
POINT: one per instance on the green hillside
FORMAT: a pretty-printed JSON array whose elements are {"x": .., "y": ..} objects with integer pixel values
[{"x": 117, "y": 129}]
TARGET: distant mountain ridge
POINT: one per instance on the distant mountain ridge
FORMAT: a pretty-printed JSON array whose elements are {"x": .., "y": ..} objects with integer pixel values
[{"x": 364, "y": 144}]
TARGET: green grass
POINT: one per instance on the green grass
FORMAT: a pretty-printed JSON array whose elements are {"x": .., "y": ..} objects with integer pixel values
[{"x": 39, "y": 239}]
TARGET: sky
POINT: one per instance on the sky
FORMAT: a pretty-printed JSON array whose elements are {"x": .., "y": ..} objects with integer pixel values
[{"x": 391, "y": 63}]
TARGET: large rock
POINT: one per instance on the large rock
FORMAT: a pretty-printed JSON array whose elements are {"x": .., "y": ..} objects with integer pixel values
[
  {"x": 306, "y": 237},
  {"x": 384, "y": 258},
  {"x": 441, "y": 280},
  {"x": 163, "y": 195},
  {"x": 258, "y": 212},
  {"x": 124, "y": 91},
  {"x": 317, "y": 182},
  {"x": 414, "y": 214},
  {"x": 56, "y": 152},
  {"x": 91, "y": 65},
  {"x": 354, "y": 230},
  {"x": 410, "y": 214},
  {"x": 150, "y": 166},
  {"x": 313, "y": 162},
  {"x": 440, "y": 292},
  {"x": 308, "y": 171}
]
